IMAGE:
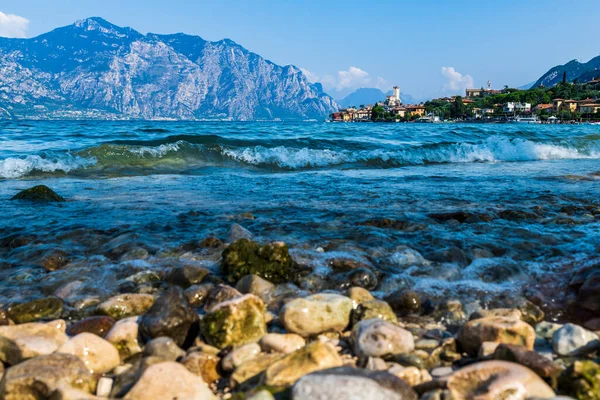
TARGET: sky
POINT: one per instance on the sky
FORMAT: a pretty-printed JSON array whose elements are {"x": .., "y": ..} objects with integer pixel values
[{"x": 429, "y": 48}]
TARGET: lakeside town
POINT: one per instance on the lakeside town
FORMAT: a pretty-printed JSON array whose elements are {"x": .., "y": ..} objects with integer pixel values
[{"x": 564, "y": 103}]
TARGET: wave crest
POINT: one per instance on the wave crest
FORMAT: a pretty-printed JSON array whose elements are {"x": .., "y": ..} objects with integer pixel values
[{"x": 181, "y": 156}]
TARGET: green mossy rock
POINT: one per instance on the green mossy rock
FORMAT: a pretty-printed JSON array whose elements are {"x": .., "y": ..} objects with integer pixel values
[
  {"x": 46, "y": 308},
  {"x": 41, "y": 193},
  {"x": 235, "y": 322},
  {"x": 373, "y": 309},
  {"x": 271, "y": 261},
  {"x": 581, "y": 380}
]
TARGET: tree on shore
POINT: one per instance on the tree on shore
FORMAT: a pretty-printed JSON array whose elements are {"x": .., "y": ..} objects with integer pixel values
[
  {"x": 377, "y": 113},
  {"x": 458, "y": 108}
]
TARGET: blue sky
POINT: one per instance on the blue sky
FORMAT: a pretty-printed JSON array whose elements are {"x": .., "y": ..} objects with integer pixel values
[{"x": 428, "y": 47}]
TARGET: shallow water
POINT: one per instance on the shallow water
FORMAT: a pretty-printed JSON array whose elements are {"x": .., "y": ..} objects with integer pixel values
[{"x": 142, "y": 195}]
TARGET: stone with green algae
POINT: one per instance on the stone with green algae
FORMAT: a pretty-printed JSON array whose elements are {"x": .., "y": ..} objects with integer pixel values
[
  {"x": 581, "y": 380},
  {"x": 271, "y": 261},
  {"x": 35, "y": 310},
  {"x": 235, "y": 322},
  {"x": 40, "y": 193}
]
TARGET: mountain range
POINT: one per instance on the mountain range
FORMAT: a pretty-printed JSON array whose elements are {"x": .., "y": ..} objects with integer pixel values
[
  {"x": 582, "y": 72},
  {"x": 94, "y": 69},
  {"x": 364, "y": 96}
]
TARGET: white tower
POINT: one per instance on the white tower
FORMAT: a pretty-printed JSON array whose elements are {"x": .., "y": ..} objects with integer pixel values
[{"x": 396, "y": 93}]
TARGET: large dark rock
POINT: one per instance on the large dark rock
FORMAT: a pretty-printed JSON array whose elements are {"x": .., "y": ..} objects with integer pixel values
[
  {"x": 404, "y": 301},
  {"x": 352, "y": 383},
  {"x": 588, "y": 296},
  {"x": 171, "y": 316},
  {"x": 41, "y": 193},
  {"x": 271, "y": 261},
  {"x": 186, "y": 276}
]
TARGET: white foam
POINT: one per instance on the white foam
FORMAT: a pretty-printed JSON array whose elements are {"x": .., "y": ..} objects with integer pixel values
[
  {"x": 494, "y": 149},
  {"x": 12, "y": 168}
]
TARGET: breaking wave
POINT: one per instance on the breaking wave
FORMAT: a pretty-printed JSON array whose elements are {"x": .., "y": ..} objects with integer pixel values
[{"x": 183, "y": 156}]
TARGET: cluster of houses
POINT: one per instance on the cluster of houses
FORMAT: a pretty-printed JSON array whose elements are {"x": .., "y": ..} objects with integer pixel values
[
  {"x": 392, "y": 105},
  {"x": 583, "y": 107}
]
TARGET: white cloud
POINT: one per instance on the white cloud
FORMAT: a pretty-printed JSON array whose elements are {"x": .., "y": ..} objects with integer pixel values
[
  {"x": 13, "y": 26},
  {"x": 456, "y": 82},
  {"x": 309, "y": 75},
  {"x": 350, "y": 79}
]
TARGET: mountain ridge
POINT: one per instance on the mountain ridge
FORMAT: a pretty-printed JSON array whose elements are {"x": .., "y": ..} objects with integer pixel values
[
  {"x": 575, "y": 70},
  {"x": 95, "y": 69}
]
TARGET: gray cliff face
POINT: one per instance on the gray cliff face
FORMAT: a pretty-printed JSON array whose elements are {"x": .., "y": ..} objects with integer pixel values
[{"x": 93, "y": 69}]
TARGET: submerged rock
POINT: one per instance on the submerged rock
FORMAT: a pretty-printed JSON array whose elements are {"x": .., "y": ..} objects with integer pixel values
[
  {"x": 98, "y": 355},
  {"x": 235, "y": 322},
  {"x": 21, "y": 342},
  {"x": 314, "y": 357},
  {"x": 169, "y": 380},
  {"x": 40, "y": 377},
  {"x": 497, "y": 380},
  {"x": 495, "y": 329},
  {"x": 271, "y": 261},
  {"x": 171, "y": 316},
  {"x": 126, "y": 305},
  {"x": 46, "y": 308},
  {"x": 237, "y": 232},
  {"x": 352, "y": 384},
  {"x": 379, "y": 338},
  {"x": 317, "y": 314},
  {"x": 40, "y": 193}
]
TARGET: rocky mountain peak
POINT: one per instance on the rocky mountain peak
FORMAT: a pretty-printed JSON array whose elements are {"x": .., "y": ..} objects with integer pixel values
[{"x": 94, "y": 69}]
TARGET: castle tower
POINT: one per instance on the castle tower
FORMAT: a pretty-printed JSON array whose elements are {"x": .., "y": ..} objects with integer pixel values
[{"x": 396, "y": 93}]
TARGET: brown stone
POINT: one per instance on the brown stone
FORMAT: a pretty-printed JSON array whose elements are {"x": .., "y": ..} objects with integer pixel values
[
  {"x": 98, "y": 325},
  {"x": 203, "y": 364},
  {"x": 495, "y": 329},
  {"x": 530, "y": 359}
]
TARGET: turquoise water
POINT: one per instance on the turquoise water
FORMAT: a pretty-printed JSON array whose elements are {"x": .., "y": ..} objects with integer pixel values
[{"x": 141, "y": 196}]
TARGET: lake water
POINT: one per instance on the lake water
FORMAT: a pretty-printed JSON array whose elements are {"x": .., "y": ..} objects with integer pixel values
[{"x": 484, "y": 213}]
